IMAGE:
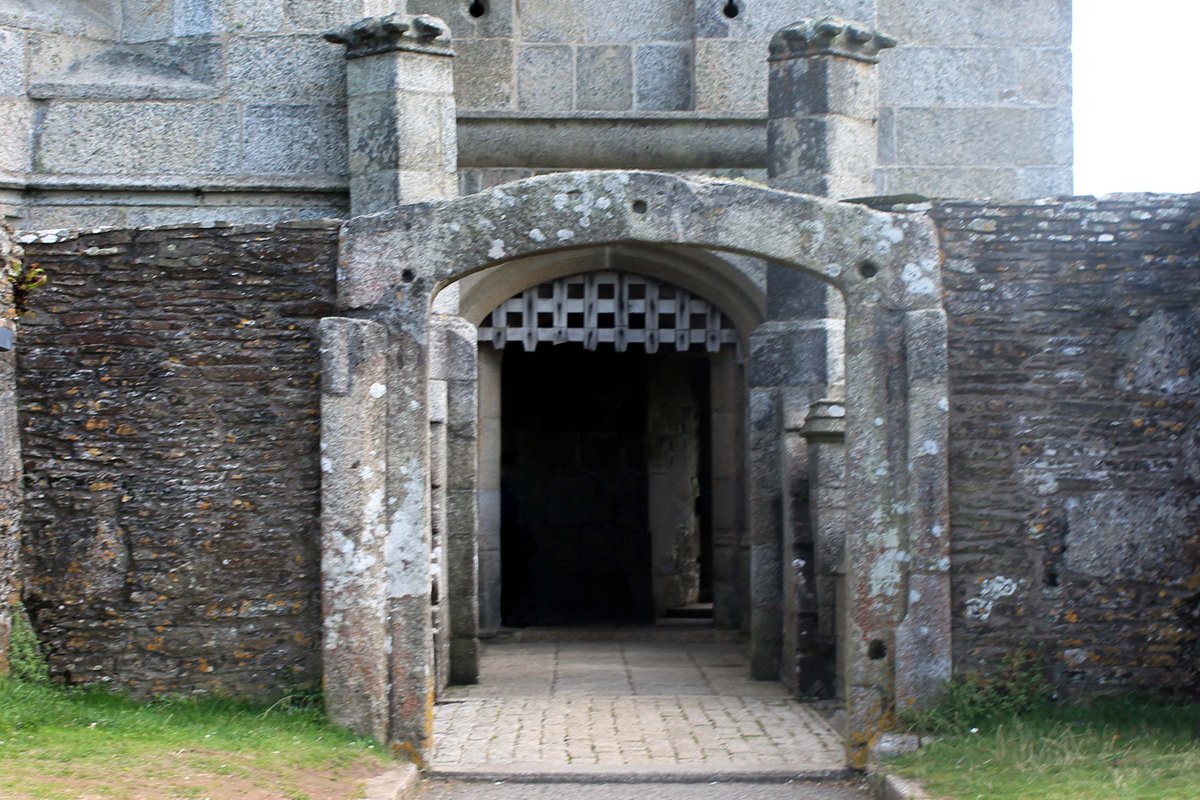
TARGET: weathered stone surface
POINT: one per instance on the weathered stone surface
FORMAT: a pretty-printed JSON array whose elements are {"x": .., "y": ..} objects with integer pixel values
[
  {"x": 152, "y": 138},
  {"x": 604, "y": 78},
  {"x": 545, "y": 78},
  {"x": 664, "y": 78},
  {"x": 1070, "y": 417},
  {"x": 355, "y": 637},
  {"x": 400, "y": 112},
  {"x": 829, "y": 36},
  {"x": 169, "y": 406},
  {"x": 10, "y": 454}
]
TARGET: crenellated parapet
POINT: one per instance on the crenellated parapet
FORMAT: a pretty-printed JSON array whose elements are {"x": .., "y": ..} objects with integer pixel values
[
  {"x": 374, "y": 35},
  {"x": 829, "y": 36}
]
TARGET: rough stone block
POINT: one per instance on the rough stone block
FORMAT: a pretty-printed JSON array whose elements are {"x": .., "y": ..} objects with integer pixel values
[
  {"x": 552, "y": 21},
  {"x": 147, "y": 20},
  {"x": 496, "y": 22},
  {"x": 788, "y": 358},
  {"x": 970, "y": 137},
  {"x": 731, "y": 76},
  {"x": 604, "y": 78},
  {"x": 12, "y": 63},
  {"x": 645, "y": 21},
  {"x": 760, "y": 19},
  {"x": 285, "y": 68},
  {"x": 928, "y": 76},
  {"x": 926, "y": 22},
  {"x": 664, "y": 78},
  {"x": 294, "y": 140},
  {"x": 951, "y": 181},
  {"x": 1044, "y": 76},
  {"x": 321, "y": 15},
  {"x": 546, "y": 78},
  {"x": 483, "y": 74},
  {"x": 254, "y": 16},
  {"x": 51, "y": 53},
  {"x": 16, "y": 136},
  {"x": 1044, "y": 182},
  {"x": 147, "y": 138},
  {"x": 196, "y": 17}
]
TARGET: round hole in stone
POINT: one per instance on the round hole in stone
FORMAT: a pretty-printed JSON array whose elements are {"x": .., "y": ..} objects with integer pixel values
[
  {"x": 408, "y": 276},
  {"x": 868, "y": 270},
  {"x": 639, "y": 206},
  {"x": 731, "y": 9},
  {"x": 477, "y": 8},
  {"x": 876, "y": 649}
]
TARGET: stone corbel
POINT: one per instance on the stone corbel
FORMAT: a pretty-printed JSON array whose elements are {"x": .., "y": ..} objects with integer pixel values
[
  {"x": 829, "y": 36},
  {"x": 367, "y": 37}
]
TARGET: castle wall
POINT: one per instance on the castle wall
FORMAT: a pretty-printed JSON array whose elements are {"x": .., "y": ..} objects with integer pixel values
[
  {"x": 10, "y": 455},
  {"x": 1075, "y": 435},
  {"x": 135, "y": 113},
  {"x": 169, "y": 409},
  {"x": 169, "y": 404}
]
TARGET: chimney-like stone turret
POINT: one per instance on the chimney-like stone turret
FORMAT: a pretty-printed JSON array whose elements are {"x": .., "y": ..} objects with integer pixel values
[
  {"x": 823, "y": 99},
  {"x": 400, "y": 108}
]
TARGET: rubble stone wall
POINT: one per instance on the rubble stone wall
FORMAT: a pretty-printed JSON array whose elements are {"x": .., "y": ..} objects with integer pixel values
[
  {"x": 169, "y": 410},
  {"x": 10, "y": 452},
  {"x": 1075, "y": 435}
]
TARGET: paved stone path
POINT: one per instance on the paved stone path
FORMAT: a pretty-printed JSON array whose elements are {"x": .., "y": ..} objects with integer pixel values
[
  {"x": 787, "y": 790},
  {"x": 627, "y": 709}
]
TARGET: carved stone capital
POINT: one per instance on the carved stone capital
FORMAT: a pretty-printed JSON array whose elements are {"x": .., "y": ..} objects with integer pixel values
[
  {"x": 829, "y": 36},
  {"x": 367, "y": 37}
]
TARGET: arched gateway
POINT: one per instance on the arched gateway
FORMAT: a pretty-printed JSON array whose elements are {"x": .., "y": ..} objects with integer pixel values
[{"x": 376, "y": 518}]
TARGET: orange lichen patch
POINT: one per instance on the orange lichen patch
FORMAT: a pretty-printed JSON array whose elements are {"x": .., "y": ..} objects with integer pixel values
[
  {"x": 125, "y": 429},
  {"x": 1071, "y": 616},
  {"x": 100, "y": 486}
]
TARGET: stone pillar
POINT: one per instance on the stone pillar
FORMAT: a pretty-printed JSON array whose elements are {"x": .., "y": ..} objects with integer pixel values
[
  {"x": 727, "y": 394},
  {"x": 400, "y": 107},
  {"x": 824, "y": 431},
  {"x": 923, "y": 644},
  {"x": 489, "y": 487},
  {"x": 354, "y": 523},
  {"x": 10, "y": 454},
  {"x": 823, "y": 99},
  {"x": 454, "y": 364}
]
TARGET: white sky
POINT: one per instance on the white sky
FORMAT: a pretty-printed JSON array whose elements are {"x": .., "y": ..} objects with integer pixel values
[{"x": 1137, "y": 96}]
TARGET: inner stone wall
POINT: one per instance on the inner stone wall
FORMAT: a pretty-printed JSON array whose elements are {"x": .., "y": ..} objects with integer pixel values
[
  {"x": 169, "y": 410},
  {"x": 1075, "y": 435}
]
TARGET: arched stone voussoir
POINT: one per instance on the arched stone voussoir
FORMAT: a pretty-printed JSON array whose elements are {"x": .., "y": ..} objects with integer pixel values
[{"x": 881, "y": 257}]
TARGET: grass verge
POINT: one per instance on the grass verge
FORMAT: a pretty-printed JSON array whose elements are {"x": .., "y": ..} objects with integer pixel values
[
  {"x": 57, "y": 743},
  {"x": 1112, "y": 748}
]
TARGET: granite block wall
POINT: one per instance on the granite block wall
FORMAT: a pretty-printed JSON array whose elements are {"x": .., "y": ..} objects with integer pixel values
[
  {"x": 169, "y": 414},
  {"x": 1075, "y": 435}
]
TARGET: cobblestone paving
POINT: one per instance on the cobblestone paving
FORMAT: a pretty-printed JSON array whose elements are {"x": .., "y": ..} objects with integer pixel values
[{"x": 640, "y": 705}]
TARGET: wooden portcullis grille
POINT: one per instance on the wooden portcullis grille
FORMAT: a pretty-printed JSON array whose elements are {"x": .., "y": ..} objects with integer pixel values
[{"x": 609, "y": 308}]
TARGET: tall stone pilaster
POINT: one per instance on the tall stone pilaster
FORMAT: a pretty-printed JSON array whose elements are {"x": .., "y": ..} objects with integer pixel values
[
  {"x": 823, "y": 100},
  {"x": 10, "y": 453},
  {"x": 400, "y": 106}
]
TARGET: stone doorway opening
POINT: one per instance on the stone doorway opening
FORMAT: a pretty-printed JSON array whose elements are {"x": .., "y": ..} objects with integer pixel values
[
  {"x": 605, "y": 486},
  {"x": 609, "y": 423}
]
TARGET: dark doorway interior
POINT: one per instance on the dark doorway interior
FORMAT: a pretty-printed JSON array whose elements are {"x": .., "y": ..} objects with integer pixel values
[{"x": 574, "y": 543}]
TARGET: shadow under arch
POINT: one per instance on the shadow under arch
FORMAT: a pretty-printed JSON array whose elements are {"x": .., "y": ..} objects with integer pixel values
[{"x": 895, "y": 626}]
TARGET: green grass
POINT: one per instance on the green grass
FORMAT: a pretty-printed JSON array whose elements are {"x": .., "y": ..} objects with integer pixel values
[
  {"x": 1120, "y": 748},
  {"x": 66, "y": 743}
]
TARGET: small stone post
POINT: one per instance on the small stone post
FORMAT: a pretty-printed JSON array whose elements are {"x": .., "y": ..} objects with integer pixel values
[
  {"x": 400, "y": 107},
  {"x": 825, "y": 432},
  {"x": 823, "y": 99},
  {"x": 10, "y": 453}
]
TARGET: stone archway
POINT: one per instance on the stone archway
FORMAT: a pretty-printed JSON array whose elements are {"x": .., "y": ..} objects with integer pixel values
[{"x": 375, "y": 522}]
